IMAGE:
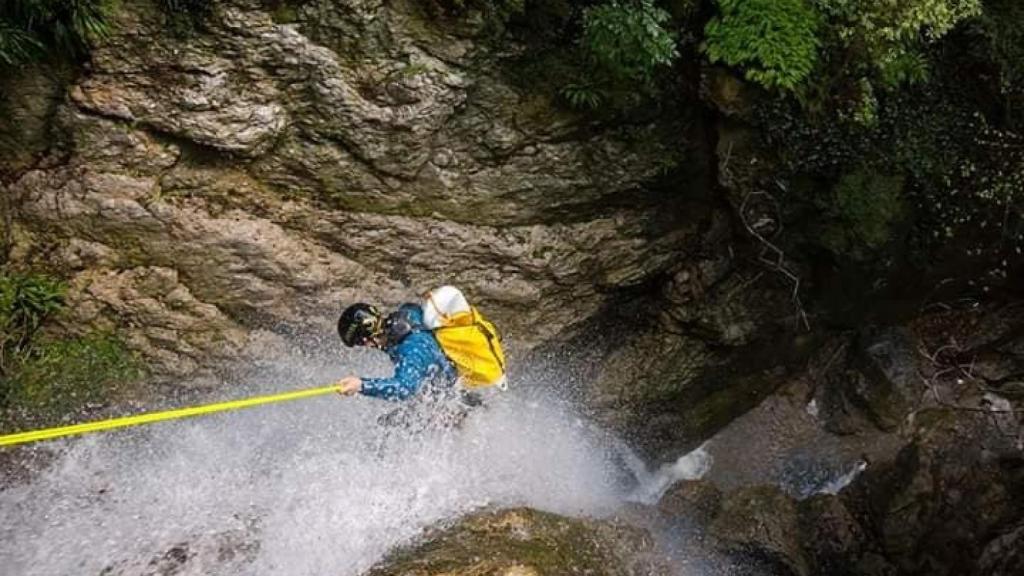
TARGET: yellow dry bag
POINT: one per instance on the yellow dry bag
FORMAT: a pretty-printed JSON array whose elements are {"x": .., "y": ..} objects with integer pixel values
[{"x": 470, "y": 341}]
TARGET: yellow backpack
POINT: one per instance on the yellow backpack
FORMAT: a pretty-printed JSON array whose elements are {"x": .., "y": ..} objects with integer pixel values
[{"x": 473, "y": 344}]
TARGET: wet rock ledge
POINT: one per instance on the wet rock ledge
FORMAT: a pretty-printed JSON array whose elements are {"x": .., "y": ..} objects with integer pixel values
[{"x": 527, "y": 542}]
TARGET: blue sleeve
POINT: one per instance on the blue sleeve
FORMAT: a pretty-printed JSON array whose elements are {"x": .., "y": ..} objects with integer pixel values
[{"x": 412, "y": 368}]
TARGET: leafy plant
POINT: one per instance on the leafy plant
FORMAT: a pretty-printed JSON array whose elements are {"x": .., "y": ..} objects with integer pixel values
[
  {"x": 31, "y": 28},
  {"x": 582, "y": 96},
  {"x": 186, "y": 15},
  {"x": 860, "y": 212},
  {"x": 26, "y": 301},
  {"x": 886, "y": 38},
  {"x": 628, "y": 40},
  {"x": 1003, "y": 21},
  {"x": 774, "y": 42},
  {"x": 17, "y": 45}
]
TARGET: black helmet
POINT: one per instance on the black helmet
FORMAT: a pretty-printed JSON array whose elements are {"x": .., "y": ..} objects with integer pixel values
[{"x": 358, "y": 324}]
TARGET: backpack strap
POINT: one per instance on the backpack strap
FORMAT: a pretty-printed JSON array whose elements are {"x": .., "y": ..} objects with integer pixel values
[
  {"x": 430, "y": 300},
  {"x": 491, "y": 336},
  {"x": 398, "y": 325}
]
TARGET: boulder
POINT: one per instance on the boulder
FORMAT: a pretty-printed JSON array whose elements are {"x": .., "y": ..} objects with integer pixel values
[
  {"x": 698, "y": 501},
  {"x": 936, "y": 505},
  {"x": 760, "y": 525},
  {"x": 526, "y": 542}
]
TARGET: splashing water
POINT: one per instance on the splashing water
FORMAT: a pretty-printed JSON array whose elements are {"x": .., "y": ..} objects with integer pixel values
[
  {"x": 651, "y": 487},
  {"x": 313, "y": 487}
]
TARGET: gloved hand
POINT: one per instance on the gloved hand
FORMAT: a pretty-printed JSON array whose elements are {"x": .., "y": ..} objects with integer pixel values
[{"x": 349, "y": 385}]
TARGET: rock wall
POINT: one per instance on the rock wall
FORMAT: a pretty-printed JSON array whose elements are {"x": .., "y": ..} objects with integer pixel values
[
  {"x": 259, "y": 171},
  {"x": 900, "y": 451}
]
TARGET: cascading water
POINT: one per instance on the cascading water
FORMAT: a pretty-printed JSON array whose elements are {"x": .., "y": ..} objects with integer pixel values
[{"x": 313, "y": 487}]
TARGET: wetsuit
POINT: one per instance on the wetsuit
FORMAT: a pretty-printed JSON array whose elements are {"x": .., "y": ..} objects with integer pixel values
[{"x": 418, "y": 359}]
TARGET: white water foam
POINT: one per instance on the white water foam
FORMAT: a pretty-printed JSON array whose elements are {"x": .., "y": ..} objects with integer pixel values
[
  {"x": 651, "y": 487},
  {"x": 311, "y": 487}
]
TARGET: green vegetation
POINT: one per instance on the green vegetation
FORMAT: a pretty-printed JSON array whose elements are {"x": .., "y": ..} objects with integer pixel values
[
  {"x": 874, "y": 47},
  {"x": 26, "y": 302},
  {"x": 283, "y": 12},
  {"x": 887, "y": 39},
  {"x": 774, "y": 42},
  {"x": 628, "y": 41},
  {"x": 1003, "y": 22},
  {"x": 860, "y": 212},
  {"x": 30, "y": 29},
  {"x": 621, "y": 47},
  {"x": 43, "y": 378},
  {"x": 184, "y": 16},
  {"x": 62, "y": 376}
]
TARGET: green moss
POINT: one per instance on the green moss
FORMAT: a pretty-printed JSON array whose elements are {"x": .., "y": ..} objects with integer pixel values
[
  {"x": 61, "y": 377},
  {"x": 716, "y": 410},
  {"x": 491, "y": 543}
]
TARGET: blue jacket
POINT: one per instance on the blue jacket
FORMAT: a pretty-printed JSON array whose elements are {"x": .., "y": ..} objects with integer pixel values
[{"x": 418, "y": 359}]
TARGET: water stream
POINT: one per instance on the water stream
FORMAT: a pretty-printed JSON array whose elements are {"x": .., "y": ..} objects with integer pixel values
[
  {"x": 319, "y": 486},
  {"x": 312, "y": 487}
]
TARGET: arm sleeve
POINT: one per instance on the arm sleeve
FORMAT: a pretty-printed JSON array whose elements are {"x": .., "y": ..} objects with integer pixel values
[{"x": 410, "y": 372}]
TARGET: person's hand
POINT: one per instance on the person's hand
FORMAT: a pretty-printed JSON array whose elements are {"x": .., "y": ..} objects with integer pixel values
[{"x": 349, "y": 385}]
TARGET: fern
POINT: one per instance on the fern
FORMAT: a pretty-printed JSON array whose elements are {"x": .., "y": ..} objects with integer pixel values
[
  {"x": 17, "y": 45},
  {"x": 31, "y": 28},
  {"x": 628, "y": 40},
  {"x": 26, "y": 301},
  {"x": 582, "y": 96},
  {"x": 774, "y": 42}
]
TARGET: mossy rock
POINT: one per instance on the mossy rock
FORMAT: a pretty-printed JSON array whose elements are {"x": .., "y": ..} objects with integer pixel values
[
  {"x": 61, "y": 378},
  {"x": 759, "y": 525},
  {"x": 526, "y": 542}
]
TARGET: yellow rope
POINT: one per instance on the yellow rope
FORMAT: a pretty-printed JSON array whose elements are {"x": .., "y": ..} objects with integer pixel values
[{"x": 50, "y": 433}]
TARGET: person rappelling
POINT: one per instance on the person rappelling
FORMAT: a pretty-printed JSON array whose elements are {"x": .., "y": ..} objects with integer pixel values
[
  {"x": 439, "y": 345},
  {"x": 444, "y": 346}
]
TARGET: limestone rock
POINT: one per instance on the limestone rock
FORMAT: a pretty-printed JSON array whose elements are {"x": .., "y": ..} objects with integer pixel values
[
  {"x": 697, "y": 500},
  {"x": 360, "y": 150},
  {"x": 521, "y": 542},
  {"x": 761, "y": 523}
]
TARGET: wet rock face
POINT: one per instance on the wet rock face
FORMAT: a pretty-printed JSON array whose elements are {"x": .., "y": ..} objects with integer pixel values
[
  {"x": 871, "y": 382},
  {"x": 760, "y": 524},
  {"x": 522, "y": 542},
  {"x": 923, "y": 411},
  {"x": 359, "y": 151},
  {"x": 939, "y": 503},
  {"x": 1004, "y": 555}
]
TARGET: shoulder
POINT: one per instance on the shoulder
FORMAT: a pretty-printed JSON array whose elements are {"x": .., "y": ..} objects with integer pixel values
[
  {"x": 413, "y": 313},
  {"x": 417, "y": 341}
]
